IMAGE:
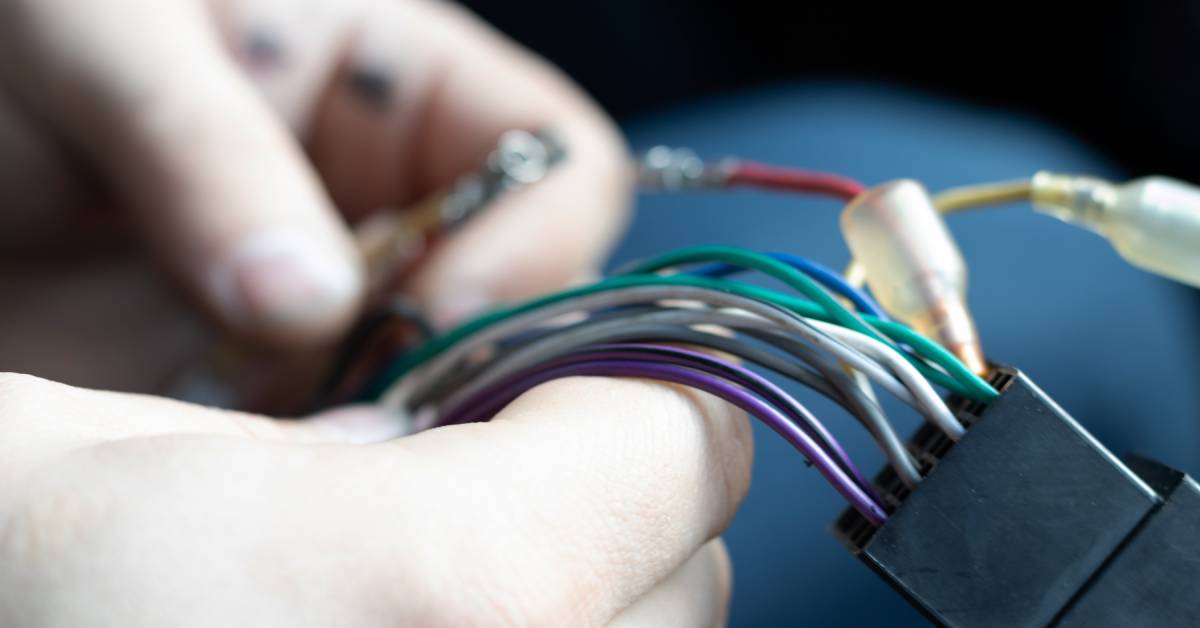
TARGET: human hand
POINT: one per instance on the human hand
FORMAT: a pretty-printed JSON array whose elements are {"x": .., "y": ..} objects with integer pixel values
[
  {"x": 585, "y": 502},
  {"x": 236, "y": 137}
]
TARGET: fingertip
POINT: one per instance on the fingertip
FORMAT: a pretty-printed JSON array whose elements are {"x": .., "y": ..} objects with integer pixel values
[{"x": 286, "y": 286}]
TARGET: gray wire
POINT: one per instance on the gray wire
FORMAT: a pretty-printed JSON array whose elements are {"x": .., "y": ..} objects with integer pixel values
[
  {"x": 661, "y": 333},
  {"x": 939, "y": 412},
  {"x": 927, "y": 401},
  {"x": 671, "y": 325},
  {"x": 443, "y": 364},
  {"x": 859, "y": 403},
  {"x": 466, "y": 372},
  {"x": 634, "y": 329}
]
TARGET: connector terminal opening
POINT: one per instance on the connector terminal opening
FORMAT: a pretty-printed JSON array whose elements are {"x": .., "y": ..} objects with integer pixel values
[{"x": 928, "y": 445}]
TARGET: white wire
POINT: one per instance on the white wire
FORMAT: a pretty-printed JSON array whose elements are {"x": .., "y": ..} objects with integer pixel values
[
  {"x": 928, "y": 402},
  {"x": 935, "y": 408}
]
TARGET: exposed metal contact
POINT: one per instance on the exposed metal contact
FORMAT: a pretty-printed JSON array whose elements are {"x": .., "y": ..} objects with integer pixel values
[
  {"x": 668, "y": 168},
  {"x": 1072, "y": 198},
  {"x": 519, "y": 159}
]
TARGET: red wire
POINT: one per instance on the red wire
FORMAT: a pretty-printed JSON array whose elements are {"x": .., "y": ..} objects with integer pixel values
[{"x": 795, "y": 180}]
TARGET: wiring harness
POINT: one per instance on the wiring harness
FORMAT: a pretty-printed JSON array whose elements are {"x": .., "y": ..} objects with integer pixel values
[{"x": 821, "y": 329}]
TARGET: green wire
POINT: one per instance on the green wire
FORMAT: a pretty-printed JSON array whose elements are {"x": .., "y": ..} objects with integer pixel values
[
  {"x": 956, "y": 378},
  {"x": 795, "y": 279}
]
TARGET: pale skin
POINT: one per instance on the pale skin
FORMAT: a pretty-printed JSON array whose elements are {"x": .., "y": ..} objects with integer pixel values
[{"x": 234, "y": 140}]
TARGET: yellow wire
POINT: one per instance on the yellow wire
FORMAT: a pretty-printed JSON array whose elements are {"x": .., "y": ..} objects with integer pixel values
[
  {"x": 956, "y": 200},
  {"x": 984, "y": 194}
]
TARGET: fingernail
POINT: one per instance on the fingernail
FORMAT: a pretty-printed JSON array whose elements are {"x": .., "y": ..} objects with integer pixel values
[
  {"x": 459, "y": 304},
  {"x": 283, "y": 279},
  {"x": 362, "y": 424}
]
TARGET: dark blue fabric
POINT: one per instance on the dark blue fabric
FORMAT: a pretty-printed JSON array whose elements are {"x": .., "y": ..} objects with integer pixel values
[{"x": 1115, "y": 346}]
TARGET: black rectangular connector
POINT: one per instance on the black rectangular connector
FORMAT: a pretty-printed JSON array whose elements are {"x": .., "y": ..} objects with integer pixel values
[{"x": 1012, "y": 523}]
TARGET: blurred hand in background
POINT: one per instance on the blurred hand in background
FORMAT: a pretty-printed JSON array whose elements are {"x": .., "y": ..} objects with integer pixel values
[{"x": 236, "y": 139}]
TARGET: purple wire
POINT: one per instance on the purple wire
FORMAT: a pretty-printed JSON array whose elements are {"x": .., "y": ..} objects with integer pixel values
[
  {"x": 739, "y": 375},
  {"x": 657, "y": 353},
  {"x": 488, "y": 402}
]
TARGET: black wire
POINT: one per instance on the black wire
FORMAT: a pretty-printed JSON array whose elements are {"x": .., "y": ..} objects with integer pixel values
[{"x": 398, "y": 308}]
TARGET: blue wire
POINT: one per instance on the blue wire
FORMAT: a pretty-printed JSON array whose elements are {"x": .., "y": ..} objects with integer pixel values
[{"x": 822, "y": 274}]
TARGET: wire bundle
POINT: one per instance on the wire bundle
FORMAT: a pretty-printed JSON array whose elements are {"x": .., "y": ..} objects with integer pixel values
[
  {"x": 634, "y": 323},
  {"x": 630, "y": 325}
]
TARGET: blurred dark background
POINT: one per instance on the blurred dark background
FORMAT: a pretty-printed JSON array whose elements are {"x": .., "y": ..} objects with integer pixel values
[
  {"x": 1123, "y": 75},
  {"x": 949, "y": 94}
]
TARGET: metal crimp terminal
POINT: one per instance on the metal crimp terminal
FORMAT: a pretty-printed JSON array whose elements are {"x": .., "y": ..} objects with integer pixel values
[
  {"x": 520, "y": 158},
  {"x": 667, "y": 168}
]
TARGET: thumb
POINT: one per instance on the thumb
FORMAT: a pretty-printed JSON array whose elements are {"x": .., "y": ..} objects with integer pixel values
[{"x": 215, "y": 181}]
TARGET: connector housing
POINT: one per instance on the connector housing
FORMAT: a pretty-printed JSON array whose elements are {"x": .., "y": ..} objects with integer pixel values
[
  {"x": 1155, "y": 578},
  {"x": 1012, "y": 522}
]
